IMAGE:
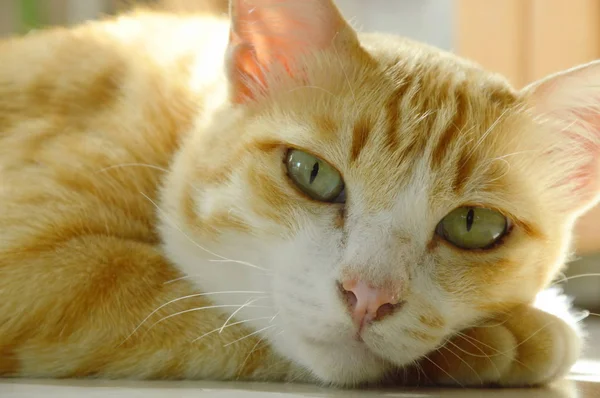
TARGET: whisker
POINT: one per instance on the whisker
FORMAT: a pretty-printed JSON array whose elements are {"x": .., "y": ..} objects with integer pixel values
[
  {"x": 420, "y": 118},
  {"x": 117, "y": 166},
  {"x": 442, "y": 354},
  {"x": 447, "y": 374},
  {"x": 487, "y": 133},
  {"x": 227, "y": 260},
  {"x": 241, "y": 367},
  {"x": 249, "y": 335},
  {"x": 492, "y": 325},
  {"x": 501, "y": 176},
  {"x": 473, "y": 340},
  {"x": 183, "y": 277},
  {"x": 201, "y": 309},
  {"x": 196, "y": 243},
  {"x": 564, "y": 279},
  {"x": 252, "y": 350},
  {"x": 483, "y": 354},
  {"x": 405, "y": 375},
  {"x": 421, "y": 371},
  {"x": 230, "y": 325},
  {"x": 184, "y": 298},
  {"x": 463, "y": 361},
  {"x": 300, "y": 375},
  {"x": 249, "y": 302},
  {"x": 516, "y": 153},
  {"x": 279, "y": 333},
  {"x": 592, "y": 314}
]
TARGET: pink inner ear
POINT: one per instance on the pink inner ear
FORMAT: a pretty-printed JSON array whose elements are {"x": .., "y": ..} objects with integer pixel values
[
  {"x": 585, "y": 178},
  {"x": 265, "y": 32},
  {"x": 571, "y": 98},
  {"x": 245, "y": 71},
  {"x": 588, "y": 176},
  {"x": 286, "y": 27}
]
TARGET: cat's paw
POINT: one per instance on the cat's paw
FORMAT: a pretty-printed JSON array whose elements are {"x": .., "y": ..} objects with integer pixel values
[{"x": 530, "y": 347}]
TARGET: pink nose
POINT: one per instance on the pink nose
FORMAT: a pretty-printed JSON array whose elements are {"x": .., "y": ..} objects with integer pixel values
[{"x": 368, "y": 304}]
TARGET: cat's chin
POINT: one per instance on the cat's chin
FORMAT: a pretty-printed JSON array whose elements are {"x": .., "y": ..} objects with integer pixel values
[{"x": 344, "y": 362}]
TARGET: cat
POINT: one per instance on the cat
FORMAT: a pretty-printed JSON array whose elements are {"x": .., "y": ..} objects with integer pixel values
[{"x": 274, "y": 196}]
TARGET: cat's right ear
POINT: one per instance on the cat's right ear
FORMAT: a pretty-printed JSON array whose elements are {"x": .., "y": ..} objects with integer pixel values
[
  {"x": 267, "y": 35},
  {"x": 568, "y": 103}
]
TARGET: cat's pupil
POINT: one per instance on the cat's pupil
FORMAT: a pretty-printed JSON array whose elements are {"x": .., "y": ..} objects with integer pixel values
[
  {"x": 470, "y": 217},
  {"x": 314, "y": 172}
]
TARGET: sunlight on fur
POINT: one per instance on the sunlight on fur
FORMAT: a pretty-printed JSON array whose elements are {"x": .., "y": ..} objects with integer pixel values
[{"x": 278, "y": 197}]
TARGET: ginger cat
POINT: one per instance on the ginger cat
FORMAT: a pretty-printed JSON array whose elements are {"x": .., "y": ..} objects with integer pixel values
[{"x": 277, "y": 197}]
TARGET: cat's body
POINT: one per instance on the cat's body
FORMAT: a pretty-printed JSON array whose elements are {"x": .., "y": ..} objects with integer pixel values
[
  {"x": 126, "y": 185},
  {"x": 86, "y": 136}
]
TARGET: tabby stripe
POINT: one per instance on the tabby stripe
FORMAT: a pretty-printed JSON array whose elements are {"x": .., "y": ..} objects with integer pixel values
[
  {"x": 464, "y": 169},
  {"x": 450, "y": 135},
  {"x": 412, "y": 149},
  {"x": 360, "y": 135},
  {"x": 393, "y": 114}
]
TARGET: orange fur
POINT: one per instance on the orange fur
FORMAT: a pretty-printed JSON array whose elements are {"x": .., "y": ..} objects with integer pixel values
[
  {"x": 112, "y": 130},
  {"x": 80, "y": 124}
]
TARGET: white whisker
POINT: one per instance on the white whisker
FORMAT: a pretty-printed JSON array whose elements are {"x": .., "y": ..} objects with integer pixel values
[
  {"x": 249, "y": 335},
  {"x": 184, "y": 277},
  {"x": 251, "y": 351},
  {"x": 506, "y": 171},
  {"x": 230, "y": 325},
  {"x": 238, "y": 262},
  {"x": 249, "y": 302},
  {"x": 202, "y": 309},
  {"x": 118, "y": 166},
  {"x": 241, "y": 367},
  {"x": 421, "y": 371},
  {"x": 464, "y": 361},
  {"x": 414, "y": 123},
  {"x": 184, "y": 298},
  {"x": 442, "y": 369},
  {"x": 517, "y": 153},
  {"x": 498, "y": 352},
  {"x": 565, "y": 279},
  {"x": 487, "y": 133},
  {"x": 473, "y": 341}
]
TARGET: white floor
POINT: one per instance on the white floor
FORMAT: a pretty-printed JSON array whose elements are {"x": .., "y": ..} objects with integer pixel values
[{"x": 584, "y": 382}]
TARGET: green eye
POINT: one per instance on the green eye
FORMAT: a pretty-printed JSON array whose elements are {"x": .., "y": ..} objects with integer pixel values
[
  {"x": 314, "y": 177},
  {"x": 473, "y": 227}
]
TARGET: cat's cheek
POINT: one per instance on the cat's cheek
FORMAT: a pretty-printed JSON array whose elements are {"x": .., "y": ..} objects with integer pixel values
[{"x": 304, "y": 285}]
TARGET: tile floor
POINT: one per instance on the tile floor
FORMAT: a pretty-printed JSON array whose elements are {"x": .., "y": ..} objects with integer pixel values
[{"x": 584, "y": 382}]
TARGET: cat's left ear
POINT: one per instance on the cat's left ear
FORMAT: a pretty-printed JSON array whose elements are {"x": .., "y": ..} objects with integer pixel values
[
  {"x": 274, "y": 34},
  {"x": 569, "y": 103}
]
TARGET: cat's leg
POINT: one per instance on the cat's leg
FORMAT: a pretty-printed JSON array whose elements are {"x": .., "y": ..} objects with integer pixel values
[{"x": 527, "y": 347}]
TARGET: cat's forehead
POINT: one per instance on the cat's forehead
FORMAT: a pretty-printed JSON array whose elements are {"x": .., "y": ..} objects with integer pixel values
[{"x": 402, "y": 111}]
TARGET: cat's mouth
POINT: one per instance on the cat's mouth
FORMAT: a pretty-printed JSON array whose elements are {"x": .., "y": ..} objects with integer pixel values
[
  {"x": 344, "y": 342},
  {"x": 344, "y": 337}
]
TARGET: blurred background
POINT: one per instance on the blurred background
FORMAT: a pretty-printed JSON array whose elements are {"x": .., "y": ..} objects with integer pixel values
[{"x": 522, "y": 39}]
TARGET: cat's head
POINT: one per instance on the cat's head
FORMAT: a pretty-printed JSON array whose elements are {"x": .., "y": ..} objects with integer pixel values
[{"x": 375, "y": 195}]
